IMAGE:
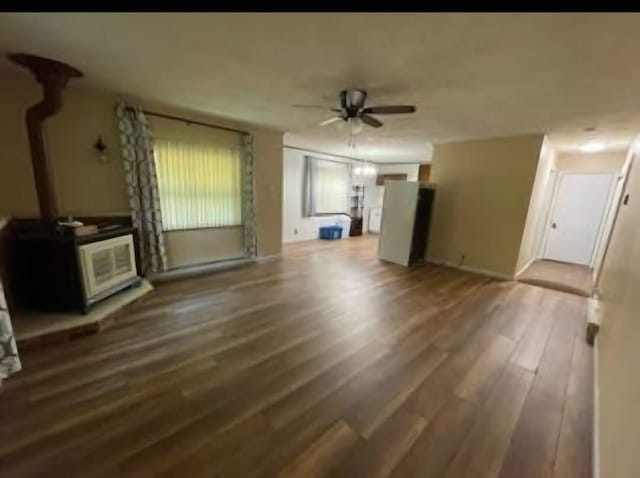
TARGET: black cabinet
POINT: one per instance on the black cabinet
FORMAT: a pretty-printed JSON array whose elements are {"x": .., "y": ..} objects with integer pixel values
[{"x": 356, "y": 227}]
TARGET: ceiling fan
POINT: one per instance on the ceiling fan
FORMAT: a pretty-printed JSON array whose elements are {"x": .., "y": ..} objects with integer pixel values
[{"x": 353, "y": 111}]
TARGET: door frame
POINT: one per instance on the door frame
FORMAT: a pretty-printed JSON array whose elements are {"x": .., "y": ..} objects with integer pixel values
[{"x": 557, "y": 180}]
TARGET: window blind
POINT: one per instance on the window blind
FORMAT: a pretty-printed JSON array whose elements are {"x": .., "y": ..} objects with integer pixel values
[
  {"x": 200, "y": 184},
  {"x": 327, "y": 186}
]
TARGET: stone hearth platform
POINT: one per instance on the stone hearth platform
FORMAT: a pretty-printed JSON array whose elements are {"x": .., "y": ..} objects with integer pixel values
[{"x": 34, "y": 328}]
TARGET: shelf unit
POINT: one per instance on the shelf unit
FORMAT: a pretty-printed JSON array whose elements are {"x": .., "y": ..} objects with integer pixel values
[{"x": 357, "y": 209}]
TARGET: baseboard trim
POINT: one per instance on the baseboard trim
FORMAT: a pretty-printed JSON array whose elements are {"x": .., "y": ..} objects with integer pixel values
[
  {"x": 474, "y": 270},
  {"x": 594, "y": 315},
  {"x": 270, "y": 258},
  {"x": 596, "y": 413},
  {"x": 525, "y": 267},
  {"x": 594, "y": 318},
  {"x": 200, "y": 269}
]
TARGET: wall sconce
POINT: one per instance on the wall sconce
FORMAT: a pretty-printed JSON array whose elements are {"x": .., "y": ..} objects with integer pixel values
[{"x": 101, "y": 149}]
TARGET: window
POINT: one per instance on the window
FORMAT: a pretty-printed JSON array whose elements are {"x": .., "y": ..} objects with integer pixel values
[
  {"x": 200, "y": 184},
  {"x": 327, "y": 186}
]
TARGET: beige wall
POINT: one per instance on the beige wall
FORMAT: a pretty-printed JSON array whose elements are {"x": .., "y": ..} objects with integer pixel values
[
  {"x": 268, "y": 192},
  {"x": 83, "y": 185},
  {"x": 617, "y": 342},
  {"x": 538, "y": 206},
  {"x": 198, "y": 246},
  {"x": 87, "y": 187},
  {"x": 591, "y": 162},
  {"x": 482, "y": 197}
]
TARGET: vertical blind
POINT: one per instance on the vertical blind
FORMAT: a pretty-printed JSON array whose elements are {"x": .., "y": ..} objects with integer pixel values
[
  {"x": 327, "y": 186},
  {"x": 200, "y": 184}
]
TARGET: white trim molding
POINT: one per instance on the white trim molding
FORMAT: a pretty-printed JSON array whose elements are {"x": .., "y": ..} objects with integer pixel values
[
  {"x": 595, "y": 311},
  {"x": 596, "y": 413},
  {"x": 263, "y": 259},
  {"x": 195, "y": 270},
  {"x": 525, "y": 267}
]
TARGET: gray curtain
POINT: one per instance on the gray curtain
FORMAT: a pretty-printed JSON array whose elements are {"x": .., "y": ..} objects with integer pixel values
[
  {"x": 308, "y": 206},
  {"x": 9, "y": 360},
  {"x": 248, "y": 210},
  {"x": 142, "y": 181}
]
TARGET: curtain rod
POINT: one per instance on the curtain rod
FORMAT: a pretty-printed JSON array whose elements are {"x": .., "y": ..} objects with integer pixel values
[
  {"x": 188, "y": 121},
  {"x": 313, "y": 151}
]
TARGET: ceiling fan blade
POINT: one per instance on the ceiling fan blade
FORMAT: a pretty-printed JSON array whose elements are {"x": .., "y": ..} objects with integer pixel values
[
  {"x": 371, "y": 121},
  {"x": 390, "y": 109},
  {"x": 331, "y": 120}
]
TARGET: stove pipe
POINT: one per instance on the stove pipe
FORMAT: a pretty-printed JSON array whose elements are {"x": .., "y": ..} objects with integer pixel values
[{"x": 53, "y": 77}]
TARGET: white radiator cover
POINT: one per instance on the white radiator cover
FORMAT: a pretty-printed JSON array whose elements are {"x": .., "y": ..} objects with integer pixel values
[{"x": 106, "y": 264}]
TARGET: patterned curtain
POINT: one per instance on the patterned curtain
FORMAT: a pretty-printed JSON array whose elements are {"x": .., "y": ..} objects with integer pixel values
[
  {"x": 142, "y": 182},
  {"x": 248, "y": 211},
  {"x": 9, "y": 360}
]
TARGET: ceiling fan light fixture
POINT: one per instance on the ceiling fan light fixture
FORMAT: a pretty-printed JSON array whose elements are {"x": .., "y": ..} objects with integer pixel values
[
  {"x": 355, "y": 125},
  {"x": 356, "y": 115},
  {"x": 355, "y": 98}
]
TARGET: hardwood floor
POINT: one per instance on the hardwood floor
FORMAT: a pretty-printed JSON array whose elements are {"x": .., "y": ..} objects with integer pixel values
[{"x": 326, "y": 362}]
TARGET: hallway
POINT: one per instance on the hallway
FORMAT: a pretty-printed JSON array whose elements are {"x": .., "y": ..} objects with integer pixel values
[{"x": 571, "y": 278}]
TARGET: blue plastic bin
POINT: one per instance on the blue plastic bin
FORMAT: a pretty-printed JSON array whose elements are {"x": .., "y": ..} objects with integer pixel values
[{"x": 331, "y": 232}]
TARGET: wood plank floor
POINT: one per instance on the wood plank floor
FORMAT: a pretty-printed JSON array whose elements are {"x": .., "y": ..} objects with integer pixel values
[{"x": 326, "y": 362}]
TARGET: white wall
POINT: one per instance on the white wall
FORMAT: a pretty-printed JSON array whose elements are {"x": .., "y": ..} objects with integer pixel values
[
  {"x": 538, "y": 206},
  {"x": 411, "y": 170},
  {"x": 295, "y": 227},
  {"x": 611, "y": 216},
  {"x": 374, "y": 194}
]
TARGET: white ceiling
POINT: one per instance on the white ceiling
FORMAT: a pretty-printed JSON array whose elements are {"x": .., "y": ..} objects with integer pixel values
[{"x": 470, "y": 75}]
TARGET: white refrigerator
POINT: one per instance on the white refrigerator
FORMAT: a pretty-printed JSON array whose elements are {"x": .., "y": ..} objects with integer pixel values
[{"x": 406, "y": 217}]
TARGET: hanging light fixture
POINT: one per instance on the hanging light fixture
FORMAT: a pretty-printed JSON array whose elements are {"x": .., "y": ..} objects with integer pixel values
[
  {"x": 366, "y": 168},
  {"x": 369, "y": 170},
  {"x": 369, "y": 167}
]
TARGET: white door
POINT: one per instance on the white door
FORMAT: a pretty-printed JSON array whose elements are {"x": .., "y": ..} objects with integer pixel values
[
  {"x": 577, "y": 213},
  {"x": 398, "y": 216}
]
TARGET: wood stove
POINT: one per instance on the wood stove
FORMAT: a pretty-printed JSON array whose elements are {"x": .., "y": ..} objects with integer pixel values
[
  {"x": 63, "y": 272},
  {"x": 54, "y": 269}
]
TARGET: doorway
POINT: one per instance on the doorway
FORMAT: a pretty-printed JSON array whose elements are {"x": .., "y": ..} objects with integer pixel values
[
  {"x": 575, "y": 225},
  {"x": 578, "y": 209}
]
